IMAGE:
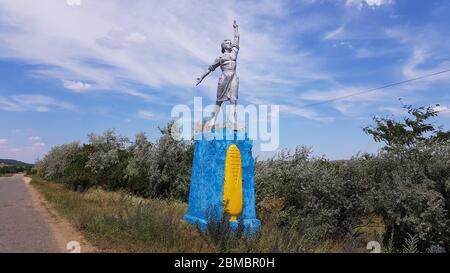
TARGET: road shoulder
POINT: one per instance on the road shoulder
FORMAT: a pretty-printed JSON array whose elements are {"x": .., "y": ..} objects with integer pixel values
[{"x": 63, "y": 231}]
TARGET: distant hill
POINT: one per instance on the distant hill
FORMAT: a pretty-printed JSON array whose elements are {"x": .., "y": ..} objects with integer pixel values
[{"x": 12, "y": 162}]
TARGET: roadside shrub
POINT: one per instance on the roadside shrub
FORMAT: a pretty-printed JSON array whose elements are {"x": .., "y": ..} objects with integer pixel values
[
  {"x": 160, "y": 169},
  {"x": 406, "y": 185},
  {"x": 410, "y": 194},
  {"x": 57, "y": 160},
  {"x": 320, "y": 197},
  {"x": 108, "y": 159}
]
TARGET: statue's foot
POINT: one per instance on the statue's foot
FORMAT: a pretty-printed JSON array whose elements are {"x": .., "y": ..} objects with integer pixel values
[
  {"x": 209, "y": 125},
  {"x": 233, "y": 125}
]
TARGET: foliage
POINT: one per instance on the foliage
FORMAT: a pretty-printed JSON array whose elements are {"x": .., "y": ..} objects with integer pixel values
[
  {"x": 11, "y": 169},
  {"x": 108, "y": 159},
  {"x": 325, "y": 199},
  {"x": 410, "y": 131},
  {"x": 115, "y": 221},
  {"x": 12, "y": 162},
  {"x": 160, "y": 169},
  {"x": 58, "y": 159},
  {"x": 301, "y": 198},
  {"x": 219, "y": 234}
]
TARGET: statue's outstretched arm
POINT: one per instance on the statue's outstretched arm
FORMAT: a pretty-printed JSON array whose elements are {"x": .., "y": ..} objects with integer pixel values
[
  {"x": 200, "y": 79},
  {"x": 210, "y": 69},
  {"x": 236, "y": 34}
]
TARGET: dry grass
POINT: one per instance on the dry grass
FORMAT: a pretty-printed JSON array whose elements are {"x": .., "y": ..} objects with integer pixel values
[{"x": 119, "y": 222}]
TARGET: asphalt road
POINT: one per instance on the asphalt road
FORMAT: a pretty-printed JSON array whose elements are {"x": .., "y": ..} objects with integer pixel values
[{"x": 23, "y": 228}]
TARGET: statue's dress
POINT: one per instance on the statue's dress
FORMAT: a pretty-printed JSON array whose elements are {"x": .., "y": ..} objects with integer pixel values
[{"x": 227, "y": 88}]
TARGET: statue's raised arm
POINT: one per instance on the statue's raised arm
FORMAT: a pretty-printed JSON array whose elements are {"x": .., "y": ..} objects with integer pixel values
[{"x": 236, "y": 35}]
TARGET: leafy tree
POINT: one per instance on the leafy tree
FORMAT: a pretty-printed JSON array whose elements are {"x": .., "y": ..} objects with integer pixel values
[
  {"x": 160, "y": 169},
  {"x": 57, "y": 160},
  {"x": 410, "y": 131},
  {"x": 76, "y": 176},
  {"x": 108, "y": 158}
]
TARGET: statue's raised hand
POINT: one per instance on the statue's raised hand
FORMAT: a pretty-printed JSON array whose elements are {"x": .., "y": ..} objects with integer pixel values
[{"x": 235, "y": 25}]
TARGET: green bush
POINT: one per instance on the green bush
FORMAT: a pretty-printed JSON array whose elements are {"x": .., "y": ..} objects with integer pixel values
[
  {"x": 407, "y": 183},
  {"x": 161, "y": 169},
  {"x": 325, "y": 199}
]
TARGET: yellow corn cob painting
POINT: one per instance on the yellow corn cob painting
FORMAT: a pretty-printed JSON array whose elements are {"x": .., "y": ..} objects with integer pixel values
[{"x": 232, "y": 189}]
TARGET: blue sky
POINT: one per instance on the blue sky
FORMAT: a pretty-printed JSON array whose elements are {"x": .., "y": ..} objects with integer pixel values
[{"x": 68, "y": 70}]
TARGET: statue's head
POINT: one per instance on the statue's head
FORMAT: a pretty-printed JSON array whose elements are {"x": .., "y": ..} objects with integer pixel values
[{"x": 226, "y": 45}]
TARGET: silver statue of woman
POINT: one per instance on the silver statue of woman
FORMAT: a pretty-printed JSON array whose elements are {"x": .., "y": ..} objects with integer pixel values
[{"x": 228, "y": 86}]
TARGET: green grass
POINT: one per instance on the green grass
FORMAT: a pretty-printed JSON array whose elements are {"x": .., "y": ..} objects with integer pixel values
[
  {"x": 6, "y": 174},
  {"x": 119, "y": 222}
]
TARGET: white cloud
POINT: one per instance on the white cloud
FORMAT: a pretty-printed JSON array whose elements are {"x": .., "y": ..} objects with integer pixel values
[
  {"x": 349, "y": 100},
  {"x": 343, "y": 94},
  {"x": 369, "y": 3},
  {"x": 364, "y": 53},
  {"x": 3, "y": 141},
  {"x": 398, "y": 111},
  {"x": 34, "y": 138},
  {"x": 148, "y": 115},
  {"x": 15, "y": 150},
  {"x": 335, "y": 34},
  {"x": 38, "y": 145},
  {"x": 117, "y": 38},
  {"x": 442, "y": 109},
  {"x": 100, "y": 47},
  {"x": 33, "y": 103},
  {"x": 77, "y": 86},
  {"x": 303, "y": 112},
  {"x": 412, "y": 67},
  {"x": 136, "y": 38},
  {"x": 343, "y": 44},
  {"x": 73, "y": 2}
]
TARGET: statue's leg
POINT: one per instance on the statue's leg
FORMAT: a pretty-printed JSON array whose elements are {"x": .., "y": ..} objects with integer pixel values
[
  {"x": 233, "y": 95},
  {"x": 212, "y": 121},
  {"x": 232, "y": 113}
]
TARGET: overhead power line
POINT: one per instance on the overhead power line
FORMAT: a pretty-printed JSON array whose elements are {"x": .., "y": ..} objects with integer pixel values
[{"x": 377, "y": 88}]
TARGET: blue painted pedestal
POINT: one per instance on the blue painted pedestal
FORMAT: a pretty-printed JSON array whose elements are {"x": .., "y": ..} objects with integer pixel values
[{"x": 207, "y": 179}]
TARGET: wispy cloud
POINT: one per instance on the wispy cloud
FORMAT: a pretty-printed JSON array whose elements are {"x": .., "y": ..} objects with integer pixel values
[
  {"x": 334, "y": 34},
  {"x": 419, "y": 57},
  {"x": 369, "y": 3},
  {"x": 397, "y": 111},
  {"x": 98, "y": 46},
  {"x": 303, "y": 112},
  {"x": 15, "y": 150},
  {"x": 445, "y": 110},
  {"x": 38, "y": 145},
  {"x": 148, "y": 115},
  {"x": 34, "y": 138},
  {"x": 77, "y": 86},
  {"x": 33, "y": 103},
  {"x": 3, "y": 142}
]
